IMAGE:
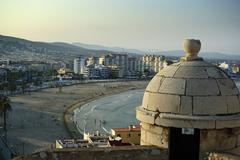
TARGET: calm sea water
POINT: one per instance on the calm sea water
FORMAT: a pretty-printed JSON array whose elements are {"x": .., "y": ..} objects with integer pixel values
[{"x": 110, "y": 112}]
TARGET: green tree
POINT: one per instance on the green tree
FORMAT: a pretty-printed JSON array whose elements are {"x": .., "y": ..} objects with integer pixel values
[
  {"x": 12, "y": 86},
  {"x": 4, "y": 108},
  {"x": 23, "y": 86},
  {"x": 146, "y": 72}
]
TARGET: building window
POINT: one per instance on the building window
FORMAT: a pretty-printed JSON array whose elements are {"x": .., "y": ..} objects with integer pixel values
[{"x": 139, "y": 135}]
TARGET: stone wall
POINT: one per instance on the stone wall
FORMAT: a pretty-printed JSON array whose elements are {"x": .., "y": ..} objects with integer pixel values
[
  {"x": 219, "y": 139},
  {"x": 154, "y": 135},
  {"x": 210, "y": 140},
  {"x": 113, "y": 153},
  {"x": 220, "y": 156}
]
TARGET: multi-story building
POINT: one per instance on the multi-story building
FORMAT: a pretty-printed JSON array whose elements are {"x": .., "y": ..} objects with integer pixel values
[
  {"x": 92, "y": 60},
  {"x": 96, "y": 71},
  {"x": 119, "y": 60},
  {"x": 130, "y": 135},
  {"x": 152, "y": 63},
  {"x": 78, "y": 65},
  {"x": 132, "y": 66}
]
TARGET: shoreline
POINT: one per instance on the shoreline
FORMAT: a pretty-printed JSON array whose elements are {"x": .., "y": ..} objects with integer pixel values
[
  {"x": 68, "y": 114},
  {"x": 38, "y": 119}
]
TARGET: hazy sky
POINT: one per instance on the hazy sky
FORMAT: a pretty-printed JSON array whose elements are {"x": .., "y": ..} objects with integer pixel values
[{"x": 141, "y": 24}]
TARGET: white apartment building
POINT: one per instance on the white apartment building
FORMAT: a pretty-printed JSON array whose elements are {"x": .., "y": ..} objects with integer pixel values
[{"x": 78, "y": 65}]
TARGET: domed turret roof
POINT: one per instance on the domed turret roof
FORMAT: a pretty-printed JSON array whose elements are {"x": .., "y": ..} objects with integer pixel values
[{"x": 192, "y": 94}]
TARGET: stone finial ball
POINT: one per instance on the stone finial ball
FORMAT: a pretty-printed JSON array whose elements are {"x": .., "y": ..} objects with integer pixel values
[{"x": 191, "y": 47}]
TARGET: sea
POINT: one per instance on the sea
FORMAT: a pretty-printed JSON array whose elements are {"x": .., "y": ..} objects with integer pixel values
[{"x": 113, "y": 111}]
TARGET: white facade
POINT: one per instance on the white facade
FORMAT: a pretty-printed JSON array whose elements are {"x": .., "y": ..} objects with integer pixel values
[
  {"x": 96, "y": 71},
  {"x": 152, "y": 63},
  {"x": 119, "y": 60},
  {"x": 78, "y": 65}
]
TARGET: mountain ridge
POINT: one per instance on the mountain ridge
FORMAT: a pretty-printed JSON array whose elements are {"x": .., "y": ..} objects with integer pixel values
[{"x": 19, "y": 48}]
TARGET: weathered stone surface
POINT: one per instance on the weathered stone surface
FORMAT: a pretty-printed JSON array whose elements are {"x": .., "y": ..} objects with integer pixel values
[
  {"x": 143, "y": 135},
  {"x": 164, "y": 102},
  {"x": 186, "y": 105},
  {"x": 227, "y": 87},
  {"x": 173, "y": 86},
  {"x": 225, "y": 141},
  {"x": 145, "y": 99},
  {"x": 236, "y": 131},
  {"x": 180, "y": 123},
  {"x": 154, "y": 84},
  {"x": 208, "y": 140},
  {"x": 217, "y": 139},
  {"x": 192, "y": 94},
  {"x": 152, "y": 128},
  {"x": 196, "y": 64},
  {"x": 233, "y": 104},
  {"x": 145, "y": 116},
  {"x": 101, "y": 153},
  {"x": 214, "y": 72},
  {"x": 160, "y": 139},
  {"x": 238, "y": 140},
  {"x": 143, "y": 143},
  {"x": 227, "y": 123},
  {"x": 169, "y": 71},
  {"x": 221, "y": 156},
  {"x": 211, "y": 105},
  {"x": 191, "y": 72},
  {"x": 195, "y": 87}
]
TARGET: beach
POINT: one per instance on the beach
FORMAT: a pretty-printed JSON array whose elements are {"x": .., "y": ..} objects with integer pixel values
[{"x": 37, "y": 120}]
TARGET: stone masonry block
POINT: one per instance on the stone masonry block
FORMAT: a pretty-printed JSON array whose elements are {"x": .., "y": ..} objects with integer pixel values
[
  {"x": 164, "y": 102},
  {"x": 145, "y": 99},
  {"x": 211, "y": 105},
  {"x": 154, "y": 84},
  {"x": 191, "y": 72},
  {"x": 186, "y": 105},
  {"x": 173, "y": 86},
  {"x": 233, "y": 104},
  {"x": 238, "y": 140},
  {"x": 204, "y": 87},
  {"x": 214, "y": 72},
  {"x": 169, "y": 71},
  {"x": 152, "y": 128},
  {"x": 227, "y": 87},
  {"x": 144, "y": 116},
  {"x": 196, "y": 64},
  {"x": 227, "y": 123},
  {"x": 180, "y": 123},
  {"x": 159, "y": 140}
]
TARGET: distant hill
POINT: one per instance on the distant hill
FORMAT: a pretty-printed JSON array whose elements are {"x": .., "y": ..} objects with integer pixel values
[
  {"x": 17, "y": 48},
  {"x": 22, "y": 49},
  {"x": 173, "y": 53},
  {"x": 114, "y": 49},
  {"x": 206, "y": 55}
]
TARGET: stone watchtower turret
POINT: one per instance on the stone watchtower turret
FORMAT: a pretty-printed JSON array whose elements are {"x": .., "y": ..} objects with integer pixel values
[{"x": 190, "y": 107}]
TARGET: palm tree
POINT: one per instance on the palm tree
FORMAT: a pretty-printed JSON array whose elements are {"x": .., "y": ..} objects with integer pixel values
[{"x": 4, "y": 108}]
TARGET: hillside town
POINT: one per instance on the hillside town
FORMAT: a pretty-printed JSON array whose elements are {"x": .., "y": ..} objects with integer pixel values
[{"x": 24, "y": 75}]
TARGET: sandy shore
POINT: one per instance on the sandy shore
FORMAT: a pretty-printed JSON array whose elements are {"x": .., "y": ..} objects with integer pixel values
[{"x": 37, "y": 120}]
